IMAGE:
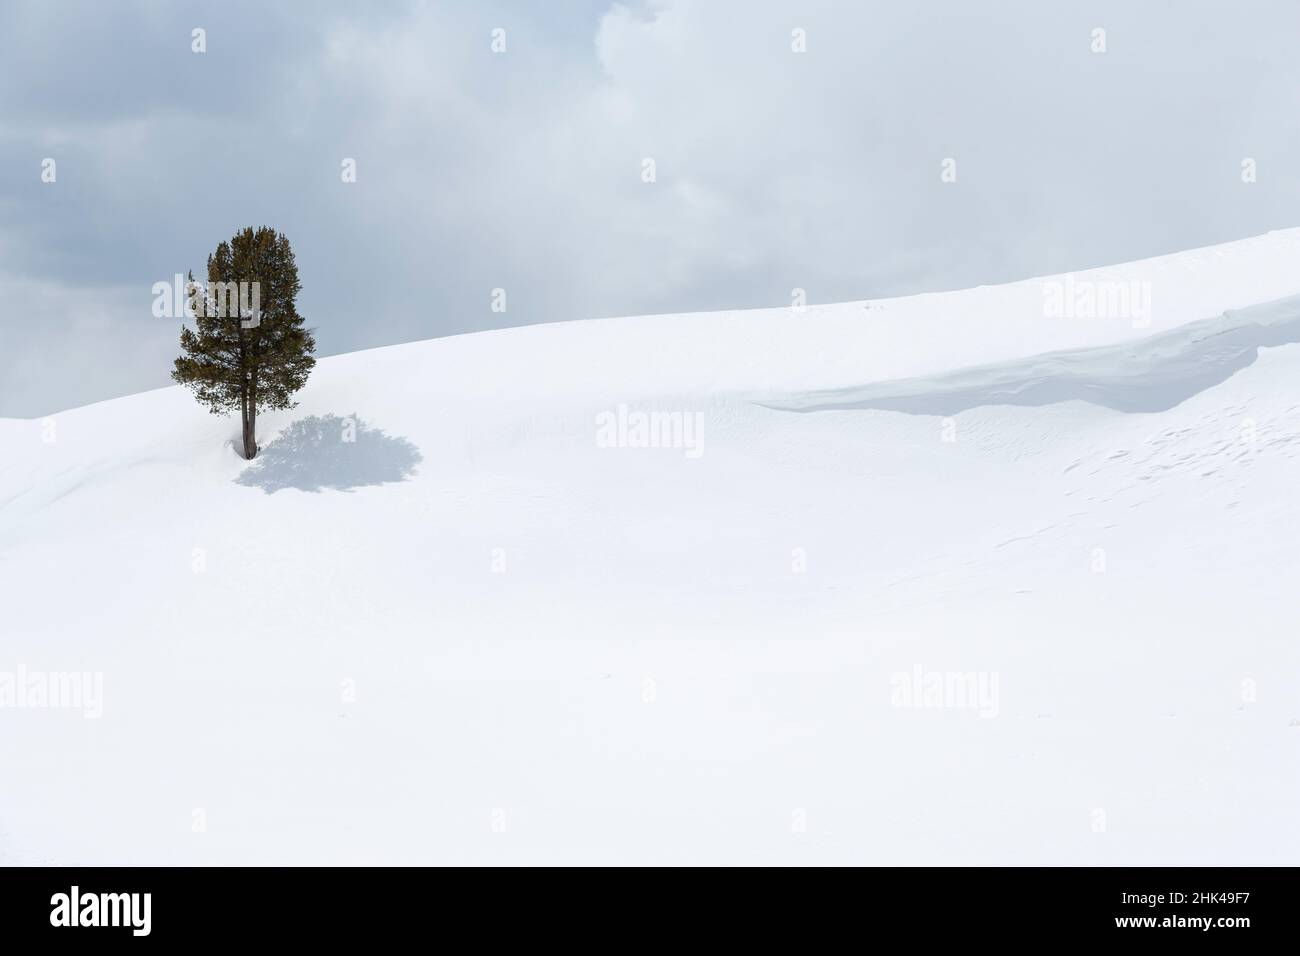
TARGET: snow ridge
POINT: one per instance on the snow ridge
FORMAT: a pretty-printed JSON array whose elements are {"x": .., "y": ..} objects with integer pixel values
[{"x": 1153, "y": 374}]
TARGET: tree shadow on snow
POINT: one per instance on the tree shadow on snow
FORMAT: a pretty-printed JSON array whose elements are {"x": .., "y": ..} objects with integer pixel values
[{"x": 343, "y": 454}]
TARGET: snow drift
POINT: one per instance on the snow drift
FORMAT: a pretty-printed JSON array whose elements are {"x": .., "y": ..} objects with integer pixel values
[
  {"x": 951, "y": 578},
  {"x": 1150, "y": 375}
]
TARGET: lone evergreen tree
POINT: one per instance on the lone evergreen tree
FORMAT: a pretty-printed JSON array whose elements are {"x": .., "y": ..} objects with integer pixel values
[{"x": 249, "y": 349}]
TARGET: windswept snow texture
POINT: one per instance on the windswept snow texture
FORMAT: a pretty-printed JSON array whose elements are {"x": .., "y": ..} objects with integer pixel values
[
  {"x": 1023, "y": 591},
  {"x": 1151, "y": 375}
]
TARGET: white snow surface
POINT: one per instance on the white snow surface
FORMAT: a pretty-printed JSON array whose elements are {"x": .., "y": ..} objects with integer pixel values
[{"x": 476, "y": 635}]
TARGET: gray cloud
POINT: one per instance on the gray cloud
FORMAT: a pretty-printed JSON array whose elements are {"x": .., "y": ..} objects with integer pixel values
[{"x": 522, "y": 170}]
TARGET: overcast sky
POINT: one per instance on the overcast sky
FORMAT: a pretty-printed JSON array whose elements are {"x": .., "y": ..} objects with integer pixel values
[{"x": 523, "y": 169}]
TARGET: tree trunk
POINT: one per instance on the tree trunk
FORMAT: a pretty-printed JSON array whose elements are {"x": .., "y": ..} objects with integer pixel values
[
  {"x": 250, "y": 433},
  {"x": 247, "y": 419},
  {"x": 250, "y": 398}
]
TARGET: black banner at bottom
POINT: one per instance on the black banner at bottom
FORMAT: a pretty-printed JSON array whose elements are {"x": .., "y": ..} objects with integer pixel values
[{"x": 95, "y": 905}]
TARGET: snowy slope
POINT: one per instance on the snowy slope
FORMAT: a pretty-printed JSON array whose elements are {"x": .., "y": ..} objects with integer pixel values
[{"x": 478, "y": 634}]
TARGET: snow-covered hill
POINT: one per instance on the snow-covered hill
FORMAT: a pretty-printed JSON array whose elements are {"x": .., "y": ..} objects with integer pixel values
[{"x": 974, "y": 577}]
